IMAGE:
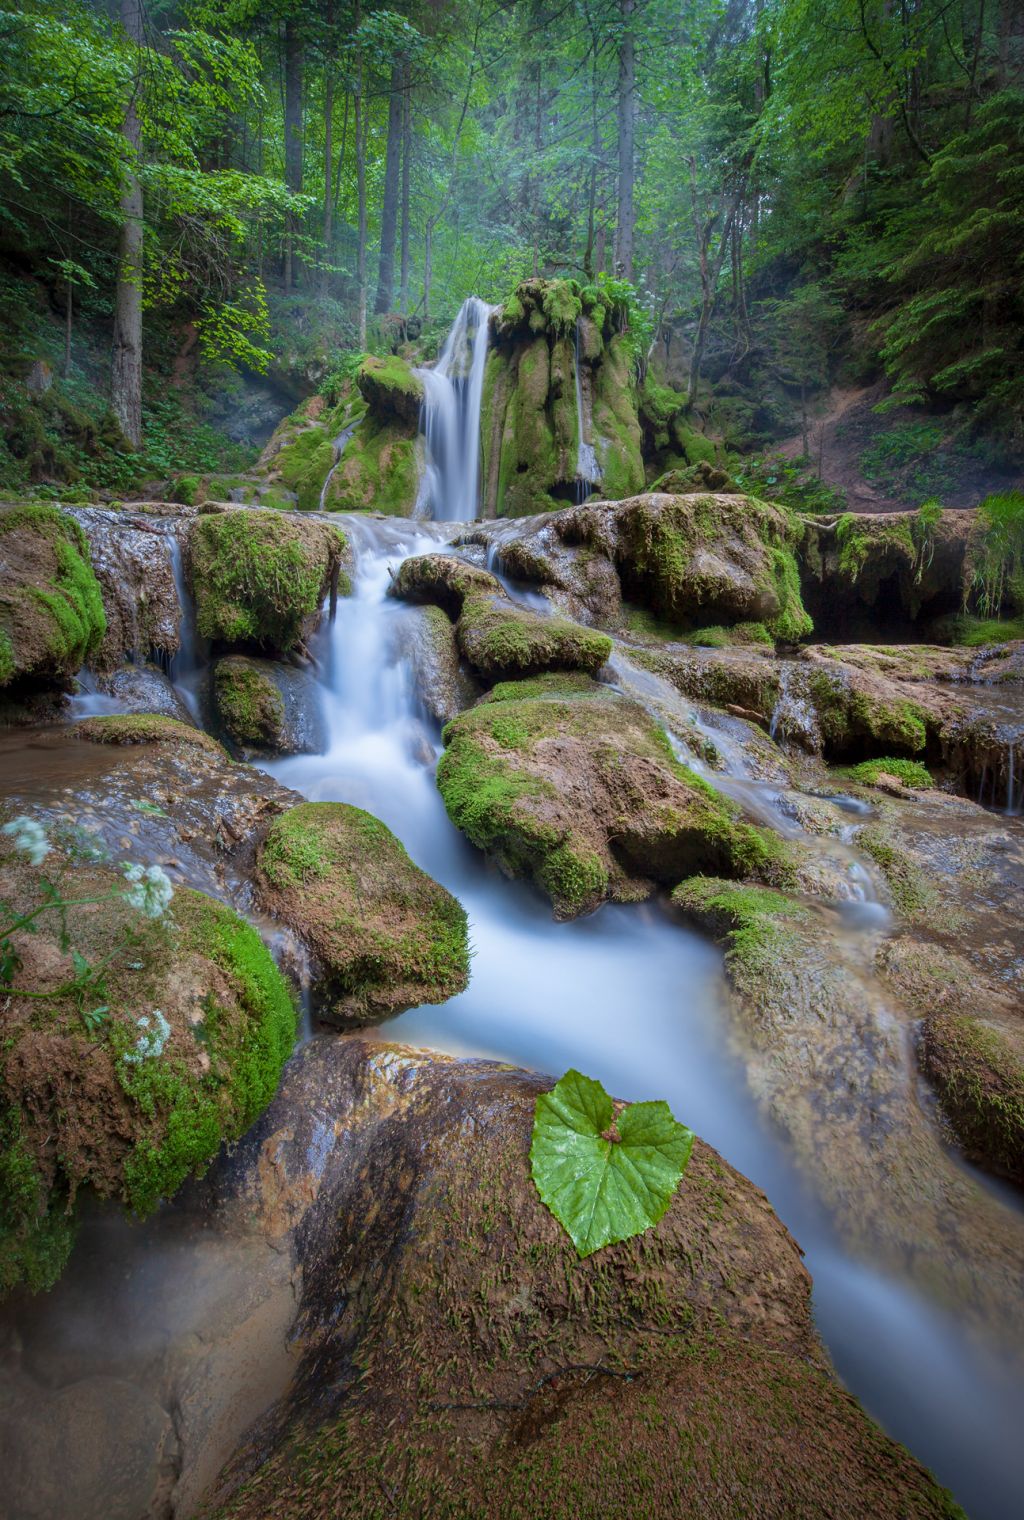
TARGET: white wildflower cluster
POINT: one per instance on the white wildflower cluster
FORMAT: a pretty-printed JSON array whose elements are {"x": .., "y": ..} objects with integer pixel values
[
  {"x": 29, "y": 837},
  {"x": 151, "y": 1041},
  {"x": 150, "y": 889}
]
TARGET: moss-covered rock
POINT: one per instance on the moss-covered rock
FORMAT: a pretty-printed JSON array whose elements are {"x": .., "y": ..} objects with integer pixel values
[
  {"x": 979, "y": 1077},
  {"x": 248, "y": 703},
  {"x": 712, "y": 559},
  {"x": 390, "y": 388},
  {"x": 671, "y": 1377},
  {"x": 616, "y": 430},
  {"x": 51, "y": 606},
  {"x": 756, "y": 924},
  {"x": 379, "y": 471},
  {"x": 501, "y": 640},
  {"x": 569, "y": 784},
  {"x": 260, "y": 577},
  {"x": 145, "y": 728},
  {"x": 385, "y": 935},
  {"x": 127, "y": 1086}
]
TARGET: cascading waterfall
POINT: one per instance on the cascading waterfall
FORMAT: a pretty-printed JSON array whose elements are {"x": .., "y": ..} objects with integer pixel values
[
  {"x": 588, "y": 471},
  {"x": 450, "y": 418}
]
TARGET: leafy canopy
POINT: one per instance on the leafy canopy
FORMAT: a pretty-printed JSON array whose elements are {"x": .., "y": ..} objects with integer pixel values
[{"x": 605, "y": 1178}]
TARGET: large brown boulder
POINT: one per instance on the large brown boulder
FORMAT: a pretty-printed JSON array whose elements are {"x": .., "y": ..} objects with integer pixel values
[{"x": 458, "y": 1358}]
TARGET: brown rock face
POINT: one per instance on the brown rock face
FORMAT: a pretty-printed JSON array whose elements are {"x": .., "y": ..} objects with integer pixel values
[
  {"x": 460, "y": 1360},
  {"x": 131, "y": 556}
]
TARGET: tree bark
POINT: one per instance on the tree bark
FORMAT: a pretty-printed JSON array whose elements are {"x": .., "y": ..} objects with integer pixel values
[
  {"x": 293, "y": 61},
  {"x": 403, "y": 299},
  {"x": 360, "y": 131},
  {"x": 328, "y": 230},
  {"x": 625, "y": 225},
  {"x": 126, "y": 363},
  {"x": 710, "y": 271},
  {"x": 389, "y": 207}
]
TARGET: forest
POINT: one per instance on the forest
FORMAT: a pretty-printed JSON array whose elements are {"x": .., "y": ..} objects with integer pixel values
[
  {"x": 511, "y": 760},
  {"x": 787, "y": 199}
]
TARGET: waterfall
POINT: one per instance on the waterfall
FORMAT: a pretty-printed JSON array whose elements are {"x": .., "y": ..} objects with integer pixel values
[
  {"x": 339, "y": 449},
  {"x": 450, "y": 418},
  {"x": 588, "y": 471}
]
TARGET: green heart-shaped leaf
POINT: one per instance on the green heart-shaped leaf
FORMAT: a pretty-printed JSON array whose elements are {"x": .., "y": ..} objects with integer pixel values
[{"x": 605, "y": 1181}]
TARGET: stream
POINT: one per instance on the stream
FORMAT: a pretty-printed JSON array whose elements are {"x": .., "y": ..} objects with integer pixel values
[{"x": 630, "y": 995}]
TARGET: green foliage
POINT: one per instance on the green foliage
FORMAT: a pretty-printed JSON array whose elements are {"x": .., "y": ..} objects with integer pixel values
[
  {"x": 911, "y": 773},
  {"x": 36, "y": 1231},
  {"x": 605, "y": 1175},
  {"x": 997, "y": 561},
  {"x": 771, "y": 477}
]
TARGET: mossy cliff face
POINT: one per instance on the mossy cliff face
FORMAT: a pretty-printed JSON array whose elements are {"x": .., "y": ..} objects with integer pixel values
[
  {"x": 51, "y": 607},
  {"x": 260, "y": 577},
  {"x": 80, "y": 1108},
  {"x": 385, "y": 935},
  {"x": 529, "y": 426},
  {"x": 480, "y": 1369},
  {"x": 374, "y": 426},
  {"x": 497, "y": 638},
  {"x": 565, "y": 782}
]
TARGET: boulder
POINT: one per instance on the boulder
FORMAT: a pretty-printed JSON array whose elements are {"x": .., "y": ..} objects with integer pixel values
[
  {"x": 444, "y": 687},
  {"x": 458, "y": 1358},
  {"x": 385, "y": 936},
  {"x": 51, "y": 607},
  {"x": 267, "y": 707},
  {"x": 132, "y": 555},
  {"x": 567, "y": 783},
  {"x": 260, "y": 577},
  {"x": 390, "y": 389},
  {"x": 164, "y": 1034},
  {"x": 144, "y": 689}
]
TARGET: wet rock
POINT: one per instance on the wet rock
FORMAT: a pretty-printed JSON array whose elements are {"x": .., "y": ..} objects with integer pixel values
[
  {"x": 442, "y": 580},
  {"x": 144, "y": 689},
  {"x": 132, "y": 555},
  {"x": 164, "y": 1035},
  {"x": 385, "y": 936},
  {"x": 480, "y": 1364},
  {"x": 533, "y": 551},
  {"x": 575, "y": 787},
  {"x": 267, "y": 707},
  {"x": 443, "y": 686},
  {"x": 51, "y": 609},
  {"x": 260, "y": 577}
]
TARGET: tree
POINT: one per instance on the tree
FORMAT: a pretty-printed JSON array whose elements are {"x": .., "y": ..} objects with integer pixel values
[{"x": 126, "y": 364}]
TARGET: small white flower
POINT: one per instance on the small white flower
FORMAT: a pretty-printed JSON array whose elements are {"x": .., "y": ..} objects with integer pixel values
[
  {"x": 29, "y": 837},
  {"x": 151, "y": 1042},
  {"x": 150, "y": 889}
]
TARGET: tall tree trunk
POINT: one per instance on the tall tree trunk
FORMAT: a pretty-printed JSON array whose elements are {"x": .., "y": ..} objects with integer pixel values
[
  {"x": 389, "y": 208},
  {"x": 126, "y": 363},
  {"x": 625, "y": 225},
  {"x": 403, "y": 299},
  {"x": 710, "y": 272},
  {"x": 1010, "y": 43},
  {"x": 292, "y": 142},
  {"x": 360, "y": 130},
  {"x": 328, "y": 229}
]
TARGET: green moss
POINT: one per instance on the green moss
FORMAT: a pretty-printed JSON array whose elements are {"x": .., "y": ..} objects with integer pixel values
[
  {"x": 378, "y": 472},
  {"x": 911, "y": 772},
  {"x": 304, "y": 463},
  {"x": 846, "y": 716},
  {"x": 981, "y": 1085},
  {"x": 245, "y": 1054},
  {"x": 36, "y": 1229},
  {"x": 390, "y": 388},
  {"x": 911, "y": 893},
  {"x": 145, "y": 728},
  {"x": 481, "y": 793},
  {"x": 500, "y": 639},
  {"x": 551, "y": 684},
  {"x": 385, "y": 936},
  {"x": 977, "y": 633},
  {"x": 258, "y": 577},
  {"x": 573, "y": 877},
  {"x": 792, "y": 622},
  {"x": 751, "y": 920},
  {"x": 248, "y": 703},
  {"x": 51, "y": 607}
]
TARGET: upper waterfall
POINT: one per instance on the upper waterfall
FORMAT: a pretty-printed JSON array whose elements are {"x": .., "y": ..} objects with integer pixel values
[{"x": 450, "y": 418}]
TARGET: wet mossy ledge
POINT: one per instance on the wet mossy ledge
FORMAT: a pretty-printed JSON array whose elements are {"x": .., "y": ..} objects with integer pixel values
[
  {"x": 569, "y": 784},
  {"x": 260, "y": 577},
  {"x": 195, "y": 1023},
  {"x": 496, "y": 637},
  {"x": 51, "y": 606},
  {"x": 385, "y": 936}
]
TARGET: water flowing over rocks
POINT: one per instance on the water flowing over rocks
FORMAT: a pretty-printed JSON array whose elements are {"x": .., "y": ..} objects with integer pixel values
[{"x": 132, "y": 552}]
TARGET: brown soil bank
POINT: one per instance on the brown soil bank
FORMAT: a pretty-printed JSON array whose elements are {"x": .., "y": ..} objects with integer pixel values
[{"x": 460, "y": 1360}]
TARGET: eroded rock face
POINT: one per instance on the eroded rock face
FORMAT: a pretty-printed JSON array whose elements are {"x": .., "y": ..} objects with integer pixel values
[
  {"x": 567, "y": 783},
  {"x": 479, "y": 1367},
  {"x": 132, "y": 555},
  {"x": 385, "y": 935}
]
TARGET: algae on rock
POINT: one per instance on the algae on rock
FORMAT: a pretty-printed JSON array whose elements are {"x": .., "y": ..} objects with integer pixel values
[
  {"x": 386, "y": 937},
  {"x": 51, "y": 606}
]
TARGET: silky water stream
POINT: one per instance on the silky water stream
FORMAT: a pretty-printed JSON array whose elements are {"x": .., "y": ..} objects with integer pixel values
[{"x": 632, "y": 996}]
